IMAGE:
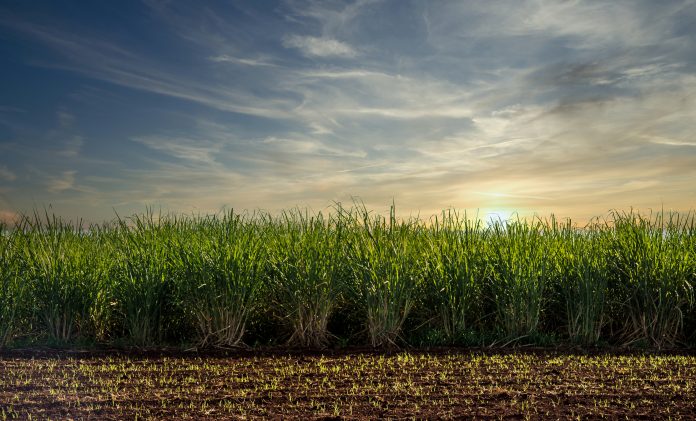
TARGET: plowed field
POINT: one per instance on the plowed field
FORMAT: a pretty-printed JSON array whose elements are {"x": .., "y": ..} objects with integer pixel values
[{"x": 346, "y": 385}]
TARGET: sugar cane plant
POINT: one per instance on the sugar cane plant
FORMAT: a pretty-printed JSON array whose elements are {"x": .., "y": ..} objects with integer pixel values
[
  {"x": 12, "y": 288},
  {"x": 220, "y": 268},
  {"x": 144, "y": 283},
  {"x": 519, "y": 280},
  {"x": 653, "y": 263},
  {"x": 583, "y": 280},
  {"x": 308, "y": 270},
  {"x": 387, "y": 272},
  {"x": 62, "y": 273},
  {"x": 457, "y": 270}
]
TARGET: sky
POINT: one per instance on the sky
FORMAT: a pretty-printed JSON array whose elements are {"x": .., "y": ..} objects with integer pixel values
[{"x": 537, "y": 107}]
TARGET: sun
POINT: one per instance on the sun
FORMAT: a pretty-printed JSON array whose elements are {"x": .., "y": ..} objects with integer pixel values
[{"x": 493, "y": 215}]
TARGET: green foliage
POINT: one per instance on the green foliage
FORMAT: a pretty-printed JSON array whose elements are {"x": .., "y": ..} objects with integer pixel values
[
  {"x": 654, "y": 267},
  {"x": 219, "y": 267},
  {"x": 457, "y": 269},
  {"x": 387, "y": 272},
  {"x": 583, "y": 281},
  {"x": 301, "y": 278},
  {"x": 520, "y": 270},
  {"x": 308, "y": 269},
  {"x": 12, "y": 289},
  {"x": 144, "y": 276},
  {"x": 62, "y": 275}
]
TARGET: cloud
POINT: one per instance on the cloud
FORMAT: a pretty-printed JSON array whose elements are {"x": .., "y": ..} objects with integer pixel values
[
  {"x": 106, "y": 61},
  {"x": 196, "y": 151},
  {"x": 8, "y": 216},
  {"x": 65, "y": 119},
  {"x": 577, "y": 24},
  {"x": 319, "y": 46},
  {"x": 256, "y": 62},
  {"x": 6, "y": 174},
  {"x": 72, "y": 146},
  {"x": 333, "y": 17},
  {"x": 514, "y": 196},
  {"x": 671, "y": 142},
  {"x": 7, "y": 109},
  {"x": 65, "y": 181}
]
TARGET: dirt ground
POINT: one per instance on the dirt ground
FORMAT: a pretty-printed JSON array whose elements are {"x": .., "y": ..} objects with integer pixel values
[{"x": 354, "y": 384}]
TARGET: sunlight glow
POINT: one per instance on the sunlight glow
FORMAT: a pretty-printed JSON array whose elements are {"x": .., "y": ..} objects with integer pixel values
[{"x": 493, "y": 215}]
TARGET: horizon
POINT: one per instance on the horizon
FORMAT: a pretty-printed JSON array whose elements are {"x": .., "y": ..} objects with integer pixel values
[
  {"x": 481, "y": 219},
  {"x": 534, "y": 107}
]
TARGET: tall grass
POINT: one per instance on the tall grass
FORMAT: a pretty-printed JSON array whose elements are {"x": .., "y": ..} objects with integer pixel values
[
  {"x": 457, "y": 270},
  {"x": 144, "y": 276},
  {"x": 583, "y": 280},
  {"x": 62, "y": 275},
  {"x": 220, "y": 271},
  {"x": 308, "y": 270},
  {"x": 370, "y": 279},
  {"x": 520, "y": 271},
  {"x": 387, "y": 272},
  {"x": 102, "y": 260},
  {"x": 654, "y": 268},
  {"x": 12, "y": 288}
]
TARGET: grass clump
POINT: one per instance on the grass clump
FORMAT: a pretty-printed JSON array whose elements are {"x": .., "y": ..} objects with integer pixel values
[
  {"x": 63, "y": 274},
  {"x": 653, "y": 264},
  {"x": 457, "y": 269},
  {"x": 520, "y": 270},
  {"x": 220, "y": 270},
  {"x": 583, "y": 281},
  {"x": 13, "y": 290},
  {"x": 144, "y": 276},
  {"x": 386, "y": 271},
  {"x": 308, "y": 271}
]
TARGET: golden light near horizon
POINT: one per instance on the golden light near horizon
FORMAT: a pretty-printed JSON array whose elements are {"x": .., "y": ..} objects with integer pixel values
[
  {"x": 497, "y": 215},
  {"x": 496, "y": 207}
]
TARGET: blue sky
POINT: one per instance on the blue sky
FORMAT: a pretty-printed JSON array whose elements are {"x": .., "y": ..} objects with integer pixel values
[{"x": 570, "y": 107}]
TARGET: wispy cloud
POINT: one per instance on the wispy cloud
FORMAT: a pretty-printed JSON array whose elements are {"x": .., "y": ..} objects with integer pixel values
[
  {"x": 65, "y": 119},
  {"x": 72, "y": 146},
  {"x": 189, "y": 150},
  {"x": 9, "y": 109},
  {"x": 671, "y": 142},
  {"x": 64, "y": 181},
  {"x": 6, "y": 174},
  {"x": 260, "y": 62},
  {"x": 105, "y": 61},
  {"x": 333, "y": 17},
  {"x": 8, "y": 216},
  {"x": 319, "y": 46},
  {"x": 514, "y": 196}
]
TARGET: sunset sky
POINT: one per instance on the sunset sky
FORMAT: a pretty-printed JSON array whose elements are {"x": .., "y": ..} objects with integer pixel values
[{"x": 570, "y": 107}]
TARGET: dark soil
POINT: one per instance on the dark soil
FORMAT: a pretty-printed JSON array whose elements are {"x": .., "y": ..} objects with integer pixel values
[{"x": 354, "y": 384}]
